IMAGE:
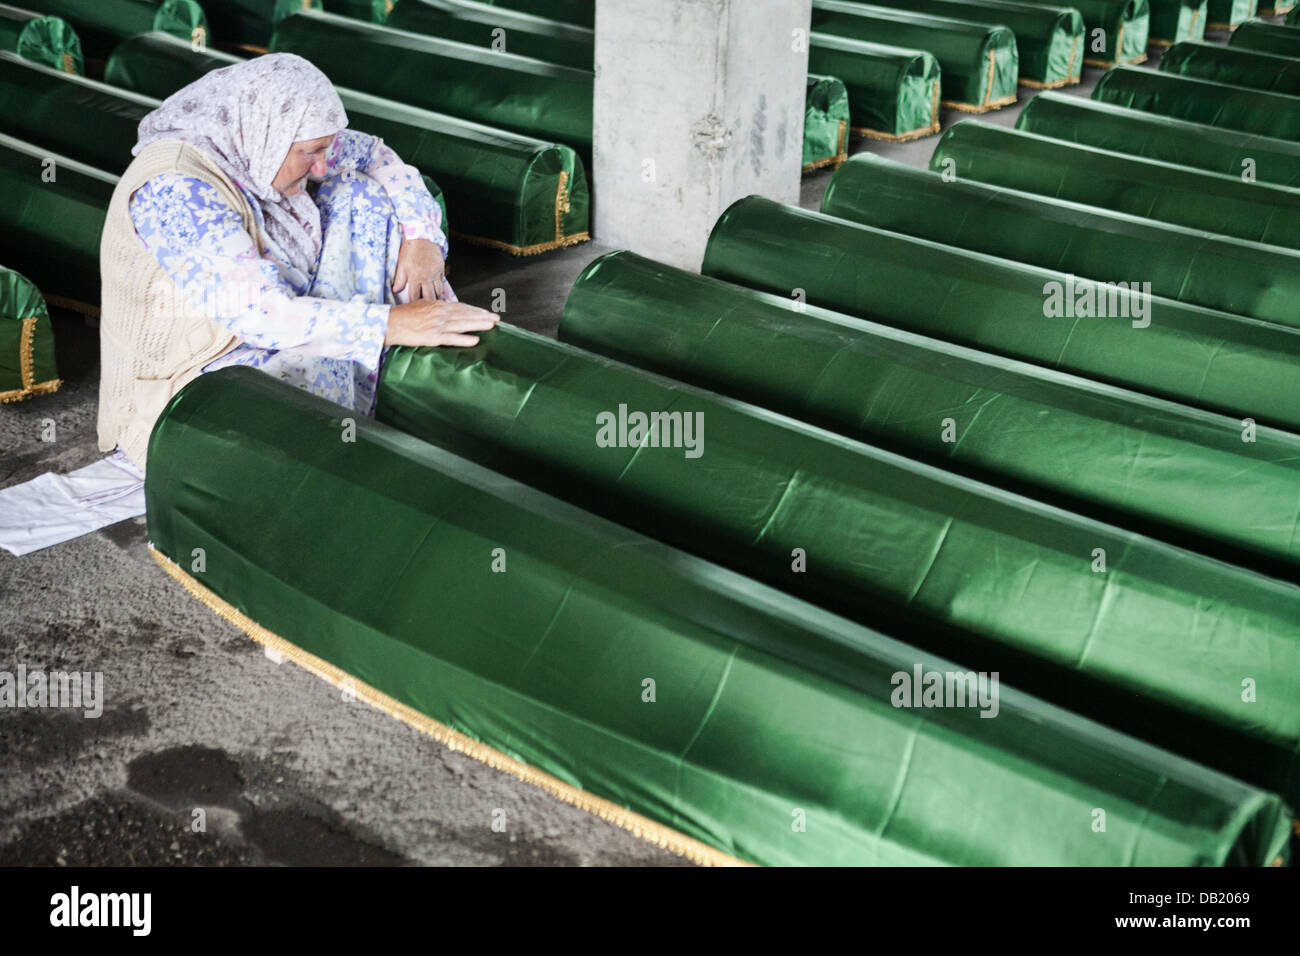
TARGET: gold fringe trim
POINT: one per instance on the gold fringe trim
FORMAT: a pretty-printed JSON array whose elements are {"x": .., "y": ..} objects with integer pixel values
[
  {"x": 841, "y": 151},
  {"x": 27, "y": 367},
  {"x": 199, "y": 38},
  {"x": 540, "y": 247},
  {"x": 970, "y": 108},
  {"x": 1053, "y": 85},
  {"x": 643, "y": 827},
  {"x": 69, "y": 64},
  {"x": 74, "y": 305},
  {"x": 1229, "y": 27}
]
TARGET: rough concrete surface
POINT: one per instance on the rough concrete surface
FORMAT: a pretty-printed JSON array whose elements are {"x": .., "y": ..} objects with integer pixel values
[{"x": 197, "y": 717}]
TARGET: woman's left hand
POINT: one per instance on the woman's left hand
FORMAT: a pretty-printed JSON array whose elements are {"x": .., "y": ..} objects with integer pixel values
[{"x": 420, "y": 266}]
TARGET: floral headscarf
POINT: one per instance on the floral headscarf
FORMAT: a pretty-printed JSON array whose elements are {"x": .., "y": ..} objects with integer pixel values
[{"x": 245, "y": 118}]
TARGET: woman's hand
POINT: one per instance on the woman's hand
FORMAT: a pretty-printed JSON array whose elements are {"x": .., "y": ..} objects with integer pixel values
[
  {"x": 437, "y": 323},
  {"x": 419, "y": 265}
]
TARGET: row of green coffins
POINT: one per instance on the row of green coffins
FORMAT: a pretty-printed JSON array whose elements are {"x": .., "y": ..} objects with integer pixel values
[
  {"x": 698, "y": 708},
  {"x": 1156, "y": 137},
  {"x": 1234, "y": 66},
  {"x": 102, "y": 24},
  {"x": 42, "y": 39},
  {"x": 1225, "y": 204},
  {"x": 27, "y": 365},
  {"x": 521, "y": 194}
]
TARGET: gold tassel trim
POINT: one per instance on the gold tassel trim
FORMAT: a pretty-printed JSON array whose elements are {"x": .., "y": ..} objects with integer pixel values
[
  {"x": 841, "y": 151},
  {"x": 27, "y": 367},
  {"x": 643, "y": 827},
  {"x": 573, "y": 240},
  {"x": 69, "y": 64}
]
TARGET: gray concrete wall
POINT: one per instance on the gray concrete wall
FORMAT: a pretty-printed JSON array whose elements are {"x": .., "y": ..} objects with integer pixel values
[{"x": 698, "y": 103}]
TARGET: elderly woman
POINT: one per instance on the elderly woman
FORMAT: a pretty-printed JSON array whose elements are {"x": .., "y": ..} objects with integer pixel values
[{"x": 216, "y": 253}]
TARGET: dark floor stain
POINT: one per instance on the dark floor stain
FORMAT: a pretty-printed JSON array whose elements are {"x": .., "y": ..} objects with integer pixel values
[
  {"x": 49, "y": 736},
  {"x": 114, "y": 830},
  {"x": 126, "y": 534},
  {"x": 299, "y": 838},
  {"x": 186, "y": 777}
]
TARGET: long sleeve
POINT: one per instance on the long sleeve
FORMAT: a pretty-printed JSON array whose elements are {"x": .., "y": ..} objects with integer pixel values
[
  {"x": 417, "y": 211},
  {"x": 201, "y": 243}
]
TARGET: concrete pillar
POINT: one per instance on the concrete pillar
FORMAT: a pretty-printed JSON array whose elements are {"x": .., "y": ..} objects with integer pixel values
[{"x": 698, "y": 103}]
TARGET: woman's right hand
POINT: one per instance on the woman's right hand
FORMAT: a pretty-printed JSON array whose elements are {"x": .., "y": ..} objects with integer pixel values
[{"x": 437, "y": 323}]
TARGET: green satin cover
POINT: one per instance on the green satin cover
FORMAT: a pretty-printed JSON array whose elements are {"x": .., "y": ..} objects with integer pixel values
[
  {"x": 1293, "y": 17},
  {"x": 825, "y": 122},
  {"x": 1207, "y": 269},
  {"x": 1126, "y": 26},
  {"x": 581, "y": 12},
  {"x": 1202, "y": 101},
  {"x": 49, "y": 231},
  {"x": 506, "y": 186},
  {"x": 102, "y": 24},
  {"x": 1150, "y": 136},
  {"x": 1239, "y": 367},
  {"x": 249, "y": 23},
  {"x": 979, "y": 62},
  {"x": 1051, "y": 41},
  {"x": 893, "y": 92},
  {"x": 1227, "y": 14},
  {"x": 1156, "y": 467},
  {"x": 1234, "y": 66},
  {"x": 892, "y": 543},
  {"x": 499, "y": 89},
  {"x": 504, "y": 31},
  {"x": 764, "y": 704},
  {"x": 1265, "y": 37},
  {"x": 26, "y": 360},
  {"x": 1140, "y": 187},
  {"x": 1175, "y": 20},
  {"x": 371, "y": 11},
  {"x": 48, "y": 40}
]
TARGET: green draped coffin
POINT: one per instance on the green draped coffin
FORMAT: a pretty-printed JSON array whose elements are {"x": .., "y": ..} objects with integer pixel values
[
  {"x": 1125, "y": 26},
  {"x": 1150, "y": 136},
  {"x": 893, "y": 93},
  {"x": 102, "y": 24},
  {"x": 1233, "y": 66},
  {"x": 1189, "y": 265},
  {"x": 692, "y": 706},
  {"x": 50, "y": 228},
  {"x": 1140, "y": 187},
  {"x": 1202, "y": 101},
  {"x": 499, "y": 89},
  {"x": 1163, "y": 469},
  {"x": 48, "y": 40},
  {"x": 581, "y": 12},
  {"x": 899, "y": 545},
  {"x": 825, "y": 123},
  {"x": 1267, "y": 38},
  {"x": 520, "y": 194},
  {"x": 26, "y": 340},
  {"x": 1175, "y": 20},
  {"x": 1051, "y": 41},
  {"x": 247, "y": 24},
  {"x": 1240, "y": 367},
  {"x": 1229, "y": 14},
  {"x": 502, "y": 30},
  {"x": 979, "y": 62}
]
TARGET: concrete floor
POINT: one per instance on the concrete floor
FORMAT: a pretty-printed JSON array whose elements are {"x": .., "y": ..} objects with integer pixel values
[{"x": 196, "y": 716}]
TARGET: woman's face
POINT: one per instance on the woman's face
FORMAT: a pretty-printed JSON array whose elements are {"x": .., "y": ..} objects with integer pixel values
[{"x": 306, "y": 158}]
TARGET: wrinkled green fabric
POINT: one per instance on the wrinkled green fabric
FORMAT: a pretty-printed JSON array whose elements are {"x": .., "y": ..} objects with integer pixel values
[
  {"x": 1233, "y": 66},
  {"x": 763, "y": 704},
  {"x": 102, "y": 24},
  {"x": 980, "y": 65},
  {"x": 250, "y": 22},
  {"x": 825, "y": 121},
  {"x": 505, "y": 188},
  {"x": 502, "y": 30},
  {"x": 893, "y": 92},
  {"x": 1150, "y": 136},
  {"x": 1202, "y": 101},
  {"x": 48, "y": 40},
  {"x": 1175, "y": 20},
  {"x": 1266, "y": 37},
  {"x": 1293, "y": 17},
  {"x": 371, "y": 11},
  {"x": 1201, "y": 268},
  {"x": 1156, "y": 467},
  {"x": 515, "y": 93},
  {"x": 1051, "y": 42},
  {"x": 50, "y": 233},
  {"x": 1225, "y": 14},
  {"x": 1126, "y": 26},
  {"x": 1213, "y": 360},
  {"x": 1140, "y": 187},
  {"x": 581, "y": 12},
  {"x": 895, "y": 544},
  {"x": 21, "y": 300}
]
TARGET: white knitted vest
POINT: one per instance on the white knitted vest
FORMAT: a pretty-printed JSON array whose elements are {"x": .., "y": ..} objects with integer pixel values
[{"x": 151, "y": 339}]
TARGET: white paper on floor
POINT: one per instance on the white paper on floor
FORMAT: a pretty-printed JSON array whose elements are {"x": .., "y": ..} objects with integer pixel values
[{"x": 51, "y": 509}]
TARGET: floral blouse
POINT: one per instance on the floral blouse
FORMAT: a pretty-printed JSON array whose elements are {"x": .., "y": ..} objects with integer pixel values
[{"x": 201, "y": 243}]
